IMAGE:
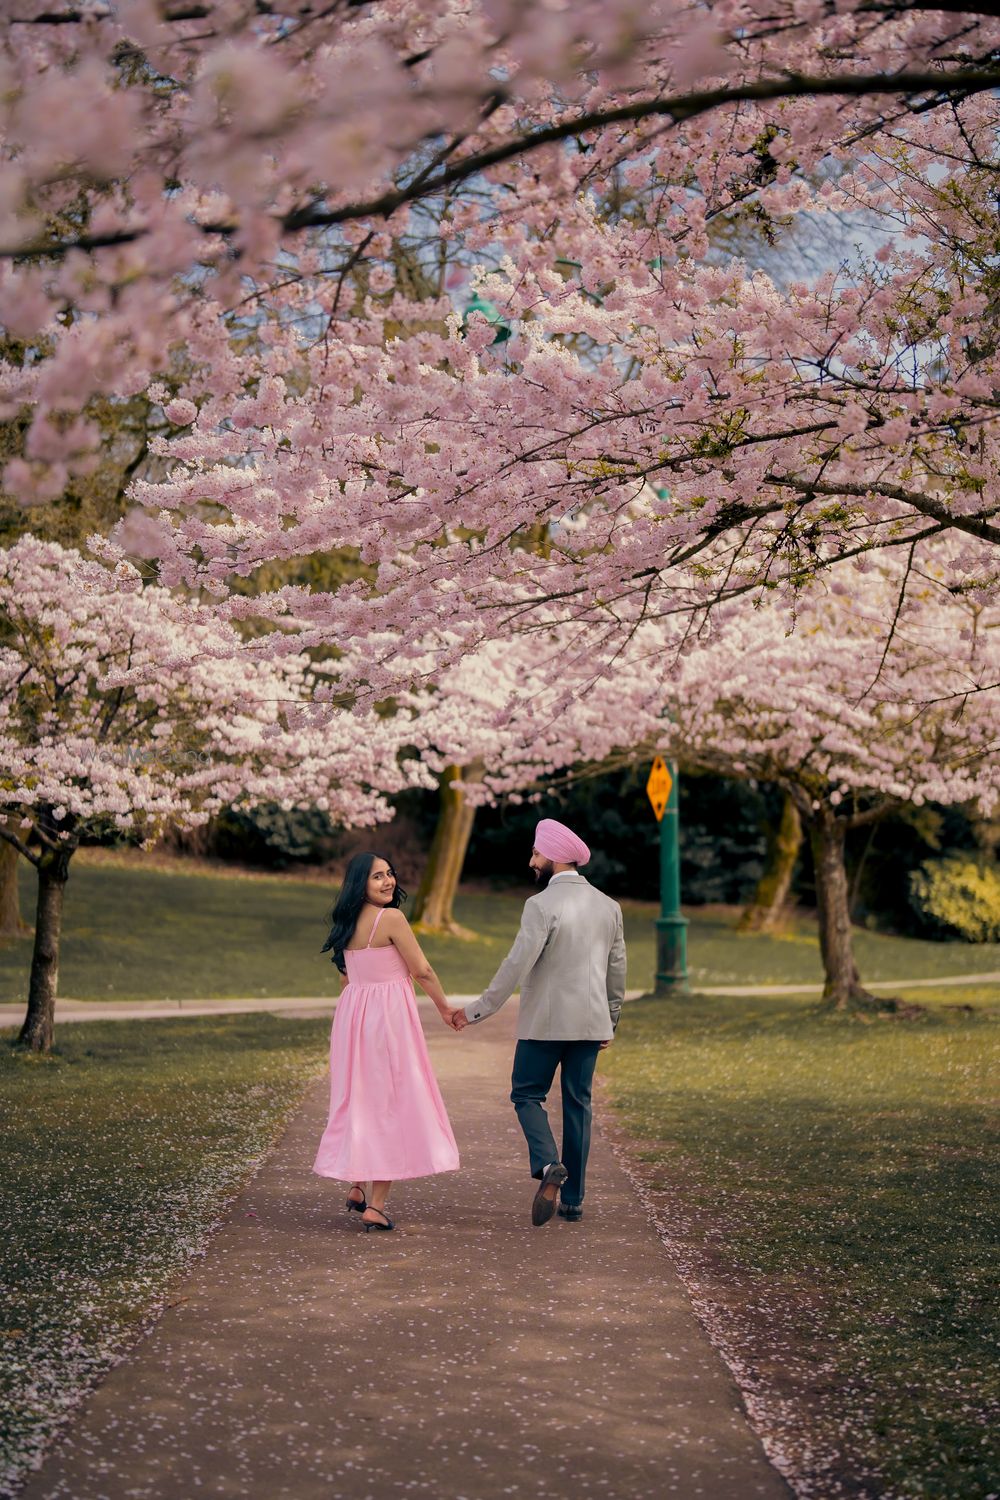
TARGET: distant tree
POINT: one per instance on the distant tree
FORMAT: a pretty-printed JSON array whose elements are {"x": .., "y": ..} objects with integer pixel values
[
  {"x": 851, "y": 726},
  {"x": 125, "y": 709},
  {"x": 878, "y": 690},
  {"x": 769, "y": 902},
  {"x": 489, "y": 729}
]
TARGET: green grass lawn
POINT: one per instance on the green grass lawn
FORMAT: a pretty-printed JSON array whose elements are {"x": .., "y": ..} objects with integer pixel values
[
  {"x": 117, "y": 1155},
  {"x": 830, "y": 1192},
  {"x": 145, "y": 934}
]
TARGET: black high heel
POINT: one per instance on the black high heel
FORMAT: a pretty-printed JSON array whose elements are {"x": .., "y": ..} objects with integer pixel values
[
  {"x": 381, "y": 1227},
  {"x": 358, "y": 1207}
]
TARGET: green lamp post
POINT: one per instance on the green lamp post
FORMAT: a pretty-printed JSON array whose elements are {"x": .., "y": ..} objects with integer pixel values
[
  {"x": 491, "y": 313},
  {"x": 671, "y": 928}
]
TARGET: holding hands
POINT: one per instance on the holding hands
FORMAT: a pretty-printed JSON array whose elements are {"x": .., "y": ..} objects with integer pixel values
[{"x": 455, "y": 1019}]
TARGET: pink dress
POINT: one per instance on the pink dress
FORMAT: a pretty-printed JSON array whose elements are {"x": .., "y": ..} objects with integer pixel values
[{"x": 387, "y": 1117}]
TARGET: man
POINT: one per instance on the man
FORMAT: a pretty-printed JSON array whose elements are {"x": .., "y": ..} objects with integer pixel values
[{"x": 569, "y": 962}]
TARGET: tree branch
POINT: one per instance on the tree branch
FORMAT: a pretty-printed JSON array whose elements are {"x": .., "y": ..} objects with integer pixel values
[
  {"x": 72, "y": 17},
  {"x": 892, "y": 10},
  {"x": 677, "y": 108},
  {"x": 872, "y": 814},
  {"x": 21, "y": 847},
  {"x": 895, "y": 620},
  {"x": 926, "y": 505}
]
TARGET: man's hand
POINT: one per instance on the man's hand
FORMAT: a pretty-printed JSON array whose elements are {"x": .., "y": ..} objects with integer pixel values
[
  {"x": 603, "y": 1046},
  {"x": 458, "y": 1020}
]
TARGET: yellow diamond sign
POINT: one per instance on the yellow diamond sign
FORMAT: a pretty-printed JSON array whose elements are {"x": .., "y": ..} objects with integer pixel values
[{"x": 658, "y": 786}]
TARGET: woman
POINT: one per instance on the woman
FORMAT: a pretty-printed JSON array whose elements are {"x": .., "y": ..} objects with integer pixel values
[{"x": 387, "y": 1117}]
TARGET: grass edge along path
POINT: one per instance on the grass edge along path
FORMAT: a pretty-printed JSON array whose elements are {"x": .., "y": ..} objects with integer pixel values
[
  {"x": 139, "y": 933},
  {"x": 823, "y": 1187},
  {"x": 121, "y": 1154}
]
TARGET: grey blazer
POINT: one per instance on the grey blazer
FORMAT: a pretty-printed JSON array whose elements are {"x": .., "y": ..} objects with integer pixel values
[{"x": 568, "y": 960}]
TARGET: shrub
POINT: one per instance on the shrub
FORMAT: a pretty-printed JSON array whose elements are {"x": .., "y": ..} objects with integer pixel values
[
  {"x": 958, "y": 897},
  {"x": 273, "y": 837}
]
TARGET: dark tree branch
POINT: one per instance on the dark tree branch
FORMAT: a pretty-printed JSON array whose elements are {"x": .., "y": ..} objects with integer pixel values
[
  {"x": 21, "y": 848},
  {"x": 72, "y": 17},
  {"x": 871, "y": 814},
  {"x": 952, "y": 7},
  {"x": 926, "y": 505},
  {"x": 895, "y": 621},
  {"x": 677, "y": 108},
  {"x": 939, "y": 84}
]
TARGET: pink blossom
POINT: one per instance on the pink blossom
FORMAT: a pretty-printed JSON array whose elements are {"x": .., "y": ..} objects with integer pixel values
[{"x": 180, "y": 412}]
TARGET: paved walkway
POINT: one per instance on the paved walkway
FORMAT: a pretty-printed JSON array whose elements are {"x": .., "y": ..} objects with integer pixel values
[
  {"x": 467, "y": 1356},
  {"x": 131, "y": 1010}
]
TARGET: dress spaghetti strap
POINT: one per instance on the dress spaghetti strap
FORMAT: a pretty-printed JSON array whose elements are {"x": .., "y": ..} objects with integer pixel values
[{"x": 377, "y": 920}]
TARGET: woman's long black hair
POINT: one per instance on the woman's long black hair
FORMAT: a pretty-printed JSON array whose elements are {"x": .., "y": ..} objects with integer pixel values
[{"x": 345, "y": 914}]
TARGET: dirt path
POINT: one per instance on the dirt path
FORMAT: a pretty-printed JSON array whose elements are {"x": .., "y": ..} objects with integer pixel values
[{"x": 466, "y": 1356}]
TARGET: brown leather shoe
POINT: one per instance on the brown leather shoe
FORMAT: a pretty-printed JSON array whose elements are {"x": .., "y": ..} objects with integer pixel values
[
  {"x": 571, "y": 1211},
  {"x": 543, "y": 1205}
]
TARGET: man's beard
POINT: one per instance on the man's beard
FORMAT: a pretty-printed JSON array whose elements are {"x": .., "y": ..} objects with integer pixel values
[{"x": 544, "y": 872}]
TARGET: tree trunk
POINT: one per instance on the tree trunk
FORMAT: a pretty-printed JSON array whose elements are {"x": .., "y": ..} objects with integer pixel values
[
  {"x": 39, "y": 1023},
  {"x": 767, "y": 906},
  {"x": 826, "y": 835},
  {"x": 11, "y": 924},
  {"x": 842, "y": 989},
  {"x": 434, "y": 902}
]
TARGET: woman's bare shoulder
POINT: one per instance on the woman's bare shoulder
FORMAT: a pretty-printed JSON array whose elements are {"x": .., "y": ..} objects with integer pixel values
[{"x": 394, "y": 925}]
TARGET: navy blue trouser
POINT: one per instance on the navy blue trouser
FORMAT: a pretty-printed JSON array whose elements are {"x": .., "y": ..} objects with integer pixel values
[{"x": 535, "y": 1066}]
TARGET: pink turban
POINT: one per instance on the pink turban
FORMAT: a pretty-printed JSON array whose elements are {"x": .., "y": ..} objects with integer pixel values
[{"x": 560, "y": 844}]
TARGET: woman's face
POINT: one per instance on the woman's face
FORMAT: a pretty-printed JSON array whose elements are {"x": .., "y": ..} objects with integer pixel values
[{"x": 381, "y": 883}]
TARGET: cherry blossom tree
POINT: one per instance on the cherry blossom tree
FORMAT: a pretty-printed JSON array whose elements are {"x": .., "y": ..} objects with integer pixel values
[
  {"x": 656, "y": 435},
  {"x": 879, "y": 688},
  {"x": 313, "y": 118},
  {"x": 126, "y": 708},
  {"x": 489, "y": 730},
  {"x": 87, "y": 501},
  {"x": 159, "y": 152},
  {"x": 851, "y": 725}
]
